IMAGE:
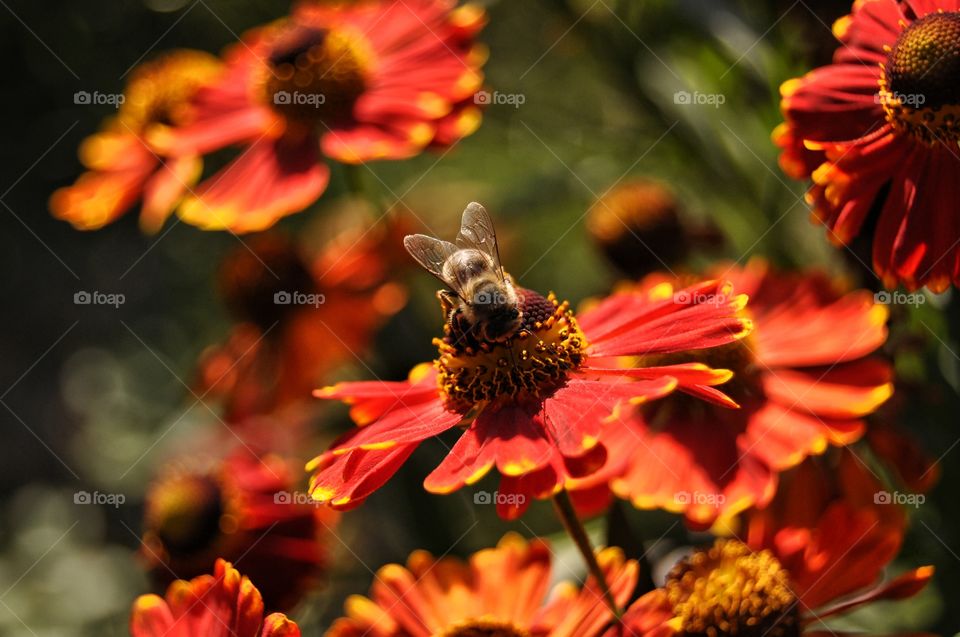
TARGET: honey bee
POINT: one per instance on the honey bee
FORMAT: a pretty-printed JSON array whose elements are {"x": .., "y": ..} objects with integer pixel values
[{"x": 480, "y": 295}]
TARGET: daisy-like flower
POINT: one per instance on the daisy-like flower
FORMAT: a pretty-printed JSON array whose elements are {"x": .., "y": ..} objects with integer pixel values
[
  {"x": 877, "y": 131},
  {"x": 224, "y": 604},
  {"x": 818, "y": 551},
  {"x": 640, "y": 227},
  {"x": 501, "y": 591},
  {"x": 300, "y": 316},
  {"x": 804, "y": 379},
  {"x": 353, "y": 81},
  {"x": 730, "y": 589},
  {"x": 243, "y": 509},
  {"x": 830, "y": 526},
  {"x": 123, "y": 166},
  {"x": 534, "y": 402}
]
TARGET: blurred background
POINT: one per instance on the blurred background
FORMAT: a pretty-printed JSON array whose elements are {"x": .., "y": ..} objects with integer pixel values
[{"x": 94, "y": 398}]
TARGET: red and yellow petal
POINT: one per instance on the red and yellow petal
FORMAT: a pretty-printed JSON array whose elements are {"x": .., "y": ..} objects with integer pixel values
[
  {"x": 345, "y": 481},
  {"x": 272, "y": 178},
  {"x": 633, "y": 324}
]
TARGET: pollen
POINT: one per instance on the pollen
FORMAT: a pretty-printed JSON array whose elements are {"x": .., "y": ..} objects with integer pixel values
[
  {"x": 537, "y": 359},
  {"x": 484, "y": 628},
  {"x": 918, "y": 88},
  {"x": 728, "y": 589},
  {"x": 315, "y": 75}
]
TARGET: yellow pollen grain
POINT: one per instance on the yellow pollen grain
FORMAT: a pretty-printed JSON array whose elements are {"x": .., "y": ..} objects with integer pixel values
[
  {"x": 728, "y": 589},
  {"x": 536, "y": 360}
]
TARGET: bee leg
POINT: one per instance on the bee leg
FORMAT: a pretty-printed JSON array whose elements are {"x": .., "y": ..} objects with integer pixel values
[{"x": 448, "y": 302}]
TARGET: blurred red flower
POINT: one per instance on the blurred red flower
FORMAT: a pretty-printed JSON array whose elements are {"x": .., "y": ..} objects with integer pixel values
[
  {"x": 355, "y": 81},
  {"x": 533, "y": 407},
  {"x": 220, "y": 605},
  {"x": 301, "y": 316},
  {"x": 804, "y": 378},
  {"x": 500, "y": 591},
  {"x": 245, "y": 509},
  {"x": 123, "y": 166},
  {"x": 877, "y": 132}
]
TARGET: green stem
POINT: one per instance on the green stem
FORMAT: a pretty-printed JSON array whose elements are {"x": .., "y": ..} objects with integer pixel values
[
  {"x": 574, "y": 527},
  {"x": 358, "y": 185}
]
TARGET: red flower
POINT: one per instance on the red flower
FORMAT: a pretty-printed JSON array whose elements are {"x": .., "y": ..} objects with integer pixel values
[
  {"x": 301, "y": 316},
  {"x": 832, "y": 529},
  {"x": 243, "y": 509},
  {"x": 803, "y": 379},
  {"x": 816, "y": 552},
  {"x": 123, "y": 165},
  {"x": 500, "y": 591},
  {"x": 877, "y": 131},
  {"x": 220, "y": 605},
  {"x": 534, "y": 406},
  {"x": 381, "y": 79}
]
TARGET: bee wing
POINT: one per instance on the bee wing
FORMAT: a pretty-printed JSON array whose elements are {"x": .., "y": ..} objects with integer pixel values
[
  {"x": 476, "y": 231},
  {"x": 432, "y": 253}
]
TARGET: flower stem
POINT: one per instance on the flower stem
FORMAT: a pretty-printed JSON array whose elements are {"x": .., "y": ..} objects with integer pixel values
[
  {"x": 574, "y": 527},
  {"x": 359, "y": 186}
]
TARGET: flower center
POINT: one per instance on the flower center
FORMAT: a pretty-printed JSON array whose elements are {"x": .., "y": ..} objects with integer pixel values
[
  {"x": 253, "y": 278},
  {"x": 483, "y": 628},
  {"x": 730, "y": 590},
  {"x": 637, "y": 225},
  {"x": 159, "y": 91},
  {"x": 316, "y": 74},
  {"x": 184, "y": 512},
  {"x": 918, "y": 84},
  {"x": 537, "y": 359}
]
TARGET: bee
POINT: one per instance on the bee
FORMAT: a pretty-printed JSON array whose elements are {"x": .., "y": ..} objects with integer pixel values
[{"x": 480, "y": 295}]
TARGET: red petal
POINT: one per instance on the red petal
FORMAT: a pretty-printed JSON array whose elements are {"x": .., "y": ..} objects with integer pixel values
[{"x": 271, "y": 179}]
